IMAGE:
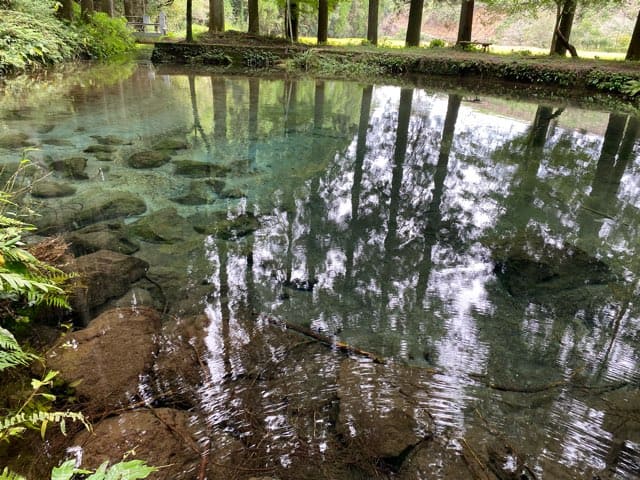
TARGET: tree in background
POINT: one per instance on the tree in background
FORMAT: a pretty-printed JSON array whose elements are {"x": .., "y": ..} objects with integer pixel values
[
  {"x": 633, "y": 53},
  {"x": 414, "y": 26},
  {"x": 189, "y": 21},
  {"x": 565, "y": 14},
  {"x": 323, "y": 21},
  {"x": 254, "y": 17},
  {"x": 86, "y": 8},
  {"x": 466, "y": 21},
  {"x": 216, "y": 15},
  {"x": 291, "y": 20},
  {"x": 372, "y": 22}
]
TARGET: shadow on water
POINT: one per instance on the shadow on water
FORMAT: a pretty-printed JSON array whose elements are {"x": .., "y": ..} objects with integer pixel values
[{"x": 465, "y": 272}]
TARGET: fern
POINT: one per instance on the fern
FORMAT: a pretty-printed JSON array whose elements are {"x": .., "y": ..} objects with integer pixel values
[
  {"x": 11, "y": 354},
  {"x": 131, "y": 470},
  {"x": 7, "y": 474}
]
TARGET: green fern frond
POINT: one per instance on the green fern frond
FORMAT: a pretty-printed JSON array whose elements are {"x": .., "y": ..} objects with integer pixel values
[
  {"x": 14, "y": 425},
  {"x": 7, "y": 474},
  {"x": 11, "y": 354}
]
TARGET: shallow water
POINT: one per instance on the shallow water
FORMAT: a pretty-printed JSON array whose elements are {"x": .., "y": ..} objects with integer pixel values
[{"x": 490, "y": 242}]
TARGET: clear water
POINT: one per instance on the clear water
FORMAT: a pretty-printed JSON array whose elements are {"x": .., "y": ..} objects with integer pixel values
[{"x": 491, "y": 244}]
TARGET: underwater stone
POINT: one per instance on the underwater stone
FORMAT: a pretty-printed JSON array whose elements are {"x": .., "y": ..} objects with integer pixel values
[
  {"x": 104, "y": 157},
  {"x": 111, "y": 235},
  {"x": 88, "y": 207},
  {"x": 15, "y": 140},
  {"x": 171, "y": 144},
  {"x": 99, "y": 149},
  {"x": 199, "y": 193},
  {"x": 388, "y": 417},
  {"x": 102, "y": 275},
  {"x": 109, "y": 356},
  {"x": 49, "y": 189},
  {"x": 108, "y": 140},
  {"x": 73, "y": 167},
  {"x": 226, "y": 228},
  {"x": 162, "y": 226},
  {"x": 57, "y": 142},
  {"x": 148, "y": 159},
  {"x": 191, "y": 168}
]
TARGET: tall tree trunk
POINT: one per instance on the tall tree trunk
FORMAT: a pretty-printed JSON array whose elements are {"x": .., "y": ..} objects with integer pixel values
[
  {"x": 323, "y": 21},
  {"x": 633, "y": 53},
  {"x": 86, "y": 8},
  {"x": 254, "y": 18},
  {"x": 189, "y": 20},
  {"x": 372, "y": 22},
  {"x": 560, "y": 43},
  {"x": 216, "y": 15},
  {"x": 66, "y": 10},
  {"x": 133, "y": 8},
  {"x": 466, "y": 21},
  {"x": 414, "y": 26},
  {"x": 105, "y": 6},
  {"x": 291, "y": 18}
]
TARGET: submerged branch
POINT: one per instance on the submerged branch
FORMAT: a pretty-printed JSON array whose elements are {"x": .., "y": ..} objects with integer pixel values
[{"x": 325, "y": 340}]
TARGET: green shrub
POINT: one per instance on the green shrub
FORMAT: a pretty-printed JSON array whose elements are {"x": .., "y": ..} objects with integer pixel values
[
  {"x": 103, "y": 37},
  {"x": 437, "y": 43},
  {"x": 28, "y": 41}
]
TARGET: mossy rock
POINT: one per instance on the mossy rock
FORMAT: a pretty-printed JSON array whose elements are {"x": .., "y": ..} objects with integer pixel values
[
  {"x": 162, "y": 226},
  {"x": 108, "y": 140},
  {"x": 171, "y": 144},
  {"x": 11, "y": 140},
  {"x": 191, "y": 168},
  {"x": 100, "y": 149},
  {"x": 148, "y": 159},
  {"x": 49, "y": 189},
  {"x": 73, "y": 167},
  {"x": 228, "y": 229}
]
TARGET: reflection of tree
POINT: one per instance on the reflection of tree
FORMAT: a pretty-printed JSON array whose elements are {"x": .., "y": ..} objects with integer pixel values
[
  {"x": 219, "y": 93},
  {"x": 361, "y": 150},
  {"x": 434, "y": 215},
  {"x": 197, "y": 125},
  {"x": 254, "y": 104}
]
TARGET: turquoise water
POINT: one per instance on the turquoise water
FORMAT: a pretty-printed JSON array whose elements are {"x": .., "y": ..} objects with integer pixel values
[{"x": 489, "y": 243}]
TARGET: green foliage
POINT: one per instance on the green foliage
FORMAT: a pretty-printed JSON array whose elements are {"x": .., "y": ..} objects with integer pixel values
[
  {"x": 631, "y": 88},
  {"x": 437, "y": 43},
  {"x": 11, "y": 354},
  {"x": 131, "y": 470},
  {"x": 609, "y": 81},
  {"x": 259, "y": 59},
  {"x": 22, "y": 276},
  {"x": 103, "y": 37},
  {"x": 331, "y": 65},
  {"x": 27, "y": 41}
]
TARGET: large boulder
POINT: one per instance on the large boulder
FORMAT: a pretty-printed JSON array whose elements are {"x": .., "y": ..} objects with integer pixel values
[
  {"x": 162, "y": 437},
  {"x": 102, "y": 275},
  {"x": 108, "y": 357},
  {"x": 88, "y": 207},
  {"x": 383, "y": 408}
]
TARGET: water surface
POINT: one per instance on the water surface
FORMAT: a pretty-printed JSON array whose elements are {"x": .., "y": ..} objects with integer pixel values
[{"x": 491, "y": 244}]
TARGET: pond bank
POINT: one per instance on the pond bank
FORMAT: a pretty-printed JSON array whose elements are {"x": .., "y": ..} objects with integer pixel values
[{"x": 574, "y": 76}]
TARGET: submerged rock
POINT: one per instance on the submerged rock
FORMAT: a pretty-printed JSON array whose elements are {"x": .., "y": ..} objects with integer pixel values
[
  {"x": 171, "y": 143},
  {"x": 108, "y": 357},
  {"x": 57, "y": 142},
  {"x": 49, "y": 189},
  {"x": 12, "y": 140},
  {"x": 73, "y": 167},
  {"x": 110, "y": 235},
  {"x": 88, "y": 207},
  {"x": 383, "y": 408},
  {"x": 100, "y": 149},
  {"x": 108, "y": 140},
  {"x": 102, "y": 275},
  {"x": 104, "y": 157},
  {"x": 162, "y": 226},
  {"x": 148, "y": 159},
  {"x": 198, "y": 193},
  {"x": 191, "y": 168},
  {"x": 240, "y": 226}
]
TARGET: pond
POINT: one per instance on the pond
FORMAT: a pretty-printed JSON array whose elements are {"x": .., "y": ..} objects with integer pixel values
[{"x": 355, "y": 281}]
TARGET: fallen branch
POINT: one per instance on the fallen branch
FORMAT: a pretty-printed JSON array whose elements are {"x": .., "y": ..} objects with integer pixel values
[{"x": 325, "y": 340}]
